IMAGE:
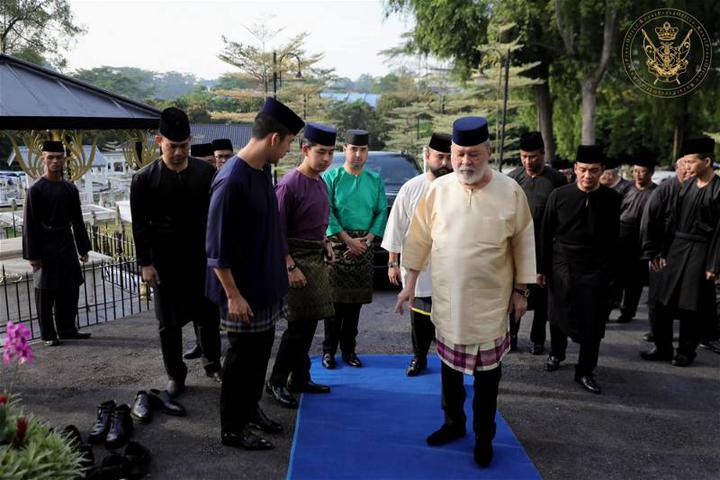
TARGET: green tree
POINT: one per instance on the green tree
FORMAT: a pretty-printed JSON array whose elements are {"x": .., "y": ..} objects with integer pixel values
[
  {"x": 358, "y": 114},
  {"x": 123, "y": 81},
  {"x": 38, "y": 29}
]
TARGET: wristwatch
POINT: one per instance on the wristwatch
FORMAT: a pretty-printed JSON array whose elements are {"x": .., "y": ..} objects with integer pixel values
[
  {"x": 524, "y": 292},
  {"x": 392, "y": 264},
  {"x": 292, "y": 267}
]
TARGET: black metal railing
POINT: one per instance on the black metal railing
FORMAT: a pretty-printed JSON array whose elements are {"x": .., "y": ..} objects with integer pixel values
[{"x": 112, "y": 289}]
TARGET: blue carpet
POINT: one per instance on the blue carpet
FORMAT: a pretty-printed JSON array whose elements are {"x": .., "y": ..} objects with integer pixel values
[{"x": 373, "y": 426}]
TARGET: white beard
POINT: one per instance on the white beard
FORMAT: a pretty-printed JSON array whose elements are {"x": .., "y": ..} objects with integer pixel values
[{"x": 470, "y": 175}]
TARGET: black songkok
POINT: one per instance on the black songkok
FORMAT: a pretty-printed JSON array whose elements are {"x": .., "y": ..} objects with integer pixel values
[
  {"x": 174, "y": 124},
  {"x": 698, "y": 145},
  {"x": 531, "y": 141},
  {"x": 320, "y": 134},
  {"x": 470, "y": 131},
  {"x": 201, "y": 150},
  {"x": 222, "y": 144},
  {"x": 591, "y": 154},
  {"x": 53, "y": 146},
  {"x": 440, "y": 142},
  {"x": 283, "y": 114},
  {"x": 357, "y": 137}
]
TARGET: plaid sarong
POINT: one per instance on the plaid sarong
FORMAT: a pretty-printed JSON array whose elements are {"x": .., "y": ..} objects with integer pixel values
[
  {"x": 262, "y": 321},
  {"x": 351, "y": 278},
  {"x": 471, "y": 358},
  {"x": 314, "y": 300}
]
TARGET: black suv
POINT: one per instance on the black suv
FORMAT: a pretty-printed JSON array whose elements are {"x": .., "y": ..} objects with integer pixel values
[{"x": 395, "y": 169}]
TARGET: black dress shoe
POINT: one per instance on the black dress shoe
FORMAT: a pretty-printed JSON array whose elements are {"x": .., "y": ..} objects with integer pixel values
[
  {"x": 215, "y": 375},
  {"x": 141, "y": 409},
  {"x": 307, "y": 387},
  {"x": 192, "y": 353},
  {"x": 655, "y": 354},
  {"x": 328, "y": 361},
  {"x": 74, "y": 439},
  {"x": 352, "y": 359},
  {"x": 682, "y": 360},
  {"x": 245, "y": 439},
  {"x": 281, "y": 395},
  {"x": 588, "y": 383},
  {"x": 483, "y": 452},
  {"x": 139, "y": 459},
  {"x": 552, "y": 363},
  {"x": 537, "y": 349},
  {"x": 416, "y": 366},
  {"x": 75, "y": 335},
  {"x": 160, "y": 400},
  {"x": 446, "y": 434},
  {"x": 260, "y": 421},
  {"x": 52, "y": 343},
  {"x": 121, "y": 427},
  {"x": 648, "y": 337},
  {"x": 175, "y": 387},
  {"x": 102, "y": 425}
]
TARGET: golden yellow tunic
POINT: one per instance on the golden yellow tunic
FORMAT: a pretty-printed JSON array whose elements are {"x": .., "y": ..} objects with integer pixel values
[{"x": 482, "y": 242}]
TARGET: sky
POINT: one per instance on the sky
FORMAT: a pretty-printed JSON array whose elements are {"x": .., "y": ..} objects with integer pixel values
[{"x": 186, "y": 35}]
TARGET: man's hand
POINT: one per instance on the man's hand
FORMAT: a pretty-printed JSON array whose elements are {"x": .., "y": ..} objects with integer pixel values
[
  {"x": 657, "y": 264},
  {"x": 356, "y": 247},
  {"x": 239, "y": 309},
  {"x": 541, "y": 280},
  {"x": 394, "y": 275},
  {"x": 406, "y": 295},
  {"x": 712, "y": 276},
  {"x": 518, "y": 305},
  {"x": 297, "y": 278},
  {"x": 329, "y": 253},
  {"x": 150, "y": 276},
  {"x": 35, "y": 264},
  {"x": 84, "y": 258}
]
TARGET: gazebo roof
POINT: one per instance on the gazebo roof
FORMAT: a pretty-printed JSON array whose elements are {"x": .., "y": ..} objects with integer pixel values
[{"x": 35, "y": 98}]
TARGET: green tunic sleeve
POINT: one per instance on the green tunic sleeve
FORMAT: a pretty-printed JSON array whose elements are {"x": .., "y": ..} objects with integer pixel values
[
  {"x": 334, "y": 226},
  {"x": 380, "y": 211}
]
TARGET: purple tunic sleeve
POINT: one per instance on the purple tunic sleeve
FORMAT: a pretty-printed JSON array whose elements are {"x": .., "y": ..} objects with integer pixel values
[{"x": 222, "y": 237}]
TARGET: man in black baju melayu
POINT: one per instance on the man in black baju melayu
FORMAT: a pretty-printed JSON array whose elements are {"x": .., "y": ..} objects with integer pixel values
[
  {"x": 169, "y": 200},
  {"x": 579, "y": 239},
  {"x": 537, "y": 181},
  {"x": 54, "y": 236},
  {"x": 691, "y": 261}
]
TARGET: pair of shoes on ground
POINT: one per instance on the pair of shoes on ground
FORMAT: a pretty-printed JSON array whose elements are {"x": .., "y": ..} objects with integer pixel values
[
  {"x": 133, "y": 464},
  {"x": 587, "y": 381},
  {"x": 147, "y": 402},
  {"x": 114, "y": 425},
  {"x": 284, "y": 394},
  {"x": 483, "y": 452},
  {"x": 247, "y": 438},
  {"x": 328, "y": 360},
  {"x": 660, "y": 355}
]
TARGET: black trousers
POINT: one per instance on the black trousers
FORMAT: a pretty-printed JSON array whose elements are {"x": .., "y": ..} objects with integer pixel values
[
  {"x": 63, "y": 302},
  {"x": 292, "y": 355},
  {"x": 485, "y": 392},
  {"x": 423, "y": 333},
  {"x": 691, "y": 329},
  {"x": 631, "y": 281},
  {"x": 538, "y": 300},
  {"x": 589, "y": 351},
  {"x": 208, "y": 331},
  {"x": 243, "y": 377},
  {"x": 342, "y": 328}
]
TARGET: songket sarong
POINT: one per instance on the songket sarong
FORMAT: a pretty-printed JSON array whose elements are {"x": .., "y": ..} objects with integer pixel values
[
  {"x": 314, "y": 300},
  {"x": 351, "y": 277}
]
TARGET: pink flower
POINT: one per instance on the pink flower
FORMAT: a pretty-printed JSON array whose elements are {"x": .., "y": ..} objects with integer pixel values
[{"x": 16, "y": 344}]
